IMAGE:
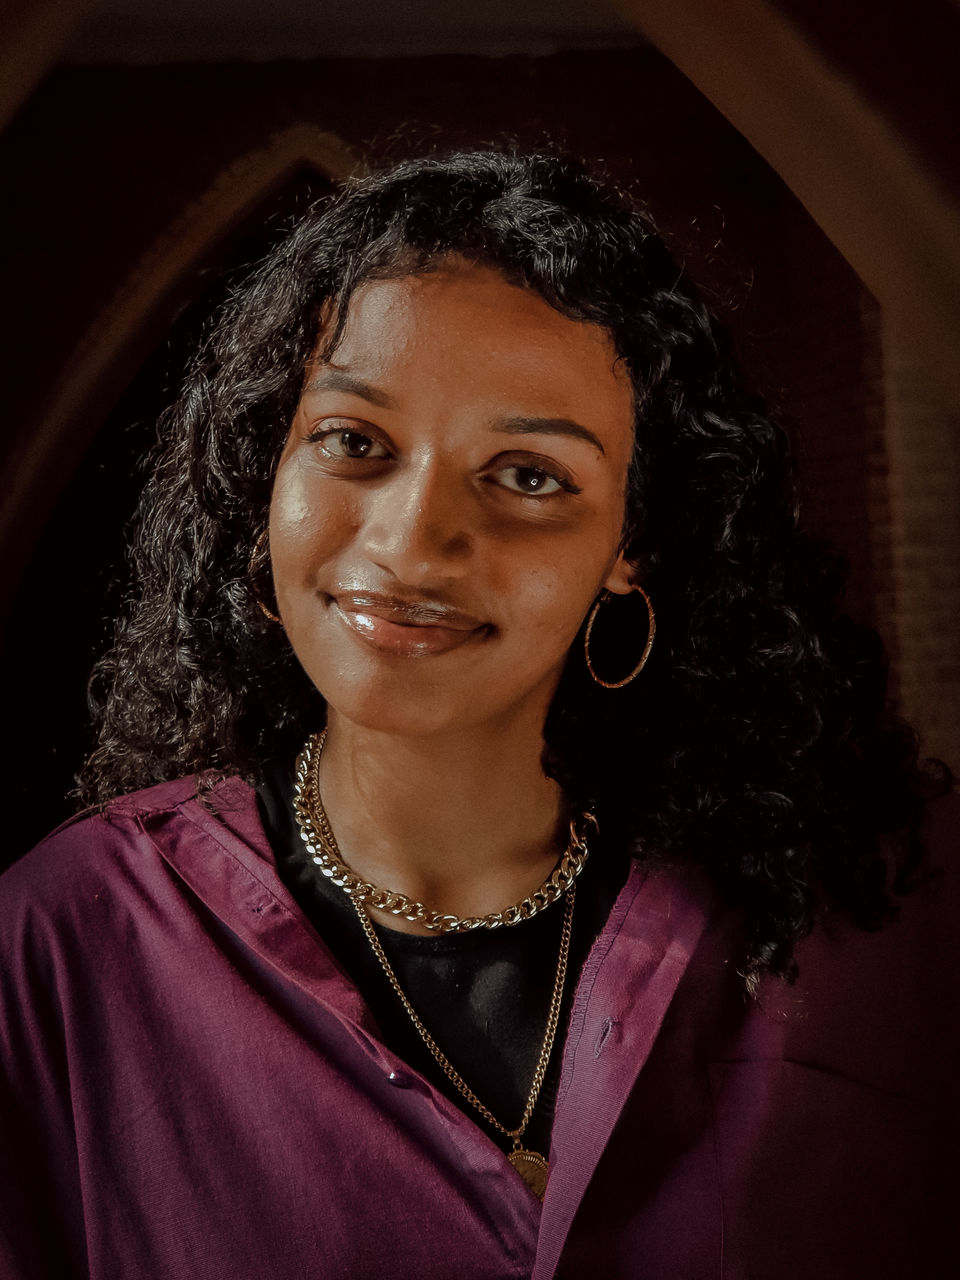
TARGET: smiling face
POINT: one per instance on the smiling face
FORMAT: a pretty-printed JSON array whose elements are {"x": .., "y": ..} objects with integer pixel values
[{"x": 449, "y": 501}]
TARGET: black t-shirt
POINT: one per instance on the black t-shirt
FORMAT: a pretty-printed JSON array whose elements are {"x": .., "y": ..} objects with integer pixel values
[{"x": 484, "y": 996}]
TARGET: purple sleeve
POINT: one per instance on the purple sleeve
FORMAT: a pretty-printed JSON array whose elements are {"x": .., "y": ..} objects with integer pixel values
[{"x": 40, "y": 1218}]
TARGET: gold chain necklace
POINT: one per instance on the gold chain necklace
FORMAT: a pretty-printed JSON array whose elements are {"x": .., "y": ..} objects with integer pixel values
[
  {"x": 532, "y": 1167},
  {"x": 321, "y": 844}
]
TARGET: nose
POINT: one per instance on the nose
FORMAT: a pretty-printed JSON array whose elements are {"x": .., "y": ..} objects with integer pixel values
[{"x": 417, "y": 525}]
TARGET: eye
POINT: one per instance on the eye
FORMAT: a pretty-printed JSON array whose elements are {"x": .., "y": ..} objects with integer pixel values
[
  {"x": 533, "y": 482},
  {"x": 529, "y": 480},
  {"x": 348, "y": 443}
]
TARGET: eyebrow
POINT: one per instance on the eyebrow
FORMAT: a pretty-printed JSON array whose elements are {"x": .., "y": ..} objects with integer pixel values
[
  {"x": 331, "y": 379},
  {"x": 340, "y": 380},
  {"x": 548, "y": 427}
]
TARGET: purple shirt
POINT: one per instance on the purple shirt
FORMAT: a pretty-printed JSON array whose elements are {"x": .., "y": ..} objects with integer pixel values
[{"x": 192, "y": 1089}]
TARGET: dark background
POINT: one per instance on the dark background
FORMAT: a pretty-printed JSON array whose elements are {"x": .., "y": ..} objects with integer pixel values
[{"x": 152, "y": 150}]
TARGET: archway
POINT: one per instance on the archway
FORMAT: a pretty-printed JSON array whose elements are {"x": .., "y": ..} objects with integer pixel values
[
  {"x": 120, "y": 338},
  {"x": 74, "y": 492},
  {"x": 865, "y": 185}
]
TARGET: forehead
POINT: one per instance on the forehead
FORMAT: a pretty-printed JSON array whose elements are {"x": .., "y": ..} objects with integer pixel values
[{"x": 464, "y": 325}]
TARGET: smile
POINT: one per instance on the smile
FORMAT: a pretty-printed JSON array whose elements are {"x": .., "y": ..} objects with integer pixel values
[{"x": 407, "y": 628}]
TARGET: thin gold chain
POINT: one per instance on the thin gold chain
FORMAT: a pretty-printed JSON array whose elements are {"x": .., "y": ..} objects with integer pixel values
[
  {"x": 322, "y": 847},
  {"x": 449, "y": 1070}
]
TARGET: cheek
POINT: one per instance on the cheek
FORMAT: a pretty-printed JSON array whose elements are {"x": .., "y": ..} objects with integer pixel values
[
  {"x": 557, "y": 594},
  {"x": 309, "y": 522}
]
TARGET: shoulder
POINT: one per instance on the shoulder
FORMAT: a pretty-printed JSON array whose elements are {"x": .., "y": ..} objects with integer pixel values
[
  {"x": 924, "y": 918},
  {"x": 93, "y": 835},
  {"x": 924, "y": 922},
  {"x": 924, "y": 929},
  {"x": 941, "y": 832},
  {"x": 108, "y": 854},
  {"x": 898, "y": 986}
]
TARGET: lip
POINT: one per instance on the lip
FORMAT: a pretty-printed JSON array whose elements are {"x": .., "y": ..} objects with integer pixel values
[{"x": 407, "y": 627}]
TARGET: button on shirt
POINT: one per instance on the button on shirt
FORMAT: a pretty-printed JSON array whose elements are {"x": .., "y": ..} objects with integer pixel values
[{"x": 192, "y": 1087}]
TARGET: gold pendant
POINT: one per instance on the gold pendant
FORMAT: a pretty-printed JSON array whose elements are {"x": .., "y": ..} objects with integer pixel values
[{"x": 532, "y": 1168}]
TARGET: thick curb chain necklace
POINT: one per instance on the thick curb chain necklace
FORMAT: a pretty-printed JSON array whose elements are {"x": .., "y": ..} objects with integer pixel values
[
  {"x": 321, "y": 844},
  {"x": 318, "y": 837}
]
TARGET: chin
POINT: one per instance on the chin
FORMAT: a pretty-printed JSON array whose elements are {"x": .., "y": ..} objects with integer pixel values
[
  {"x": 400, "y": 715},
  {"x": 411, "y": 709},
  {"x": 423, "y": 697}
]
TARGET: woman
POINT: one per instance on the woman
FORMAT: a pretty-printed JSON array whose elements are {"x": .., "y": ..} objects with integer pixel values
[{"x": 489, "y": 750}]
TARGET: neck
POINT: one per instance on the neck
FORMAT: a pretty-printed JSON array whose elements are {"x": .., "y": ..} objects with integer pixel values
[{"x": 465, "y": 822}]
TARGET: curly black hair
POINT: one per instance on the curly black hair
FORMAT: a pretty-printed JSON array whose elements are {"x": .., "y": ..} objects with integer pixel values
[{"x": 757, "y": 743}]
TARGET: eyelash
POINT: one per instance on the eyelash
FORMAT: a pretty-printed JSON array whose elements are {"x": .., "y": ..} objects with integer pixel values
[
  {"x": 567, "y": 486},
  {"x": 321, "y": 434},
  {"x": 325, "y": 433}
]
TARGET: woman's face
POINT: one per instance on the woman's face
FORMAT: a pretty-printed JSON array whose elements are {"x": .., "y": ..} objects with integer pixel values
[{"x": 449, "y": 501}]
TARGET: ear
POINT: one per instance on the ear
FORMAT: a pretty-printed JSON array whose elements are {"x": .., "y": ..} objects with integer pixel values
[{"x": 622, "y": 578}]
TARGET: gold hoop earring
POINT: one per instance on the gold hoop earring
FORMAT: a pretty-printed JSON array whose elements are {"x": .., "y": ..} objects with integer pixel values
[
  {"x": 251, "y": 579},
  {"x": 651, "y": 632}
]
